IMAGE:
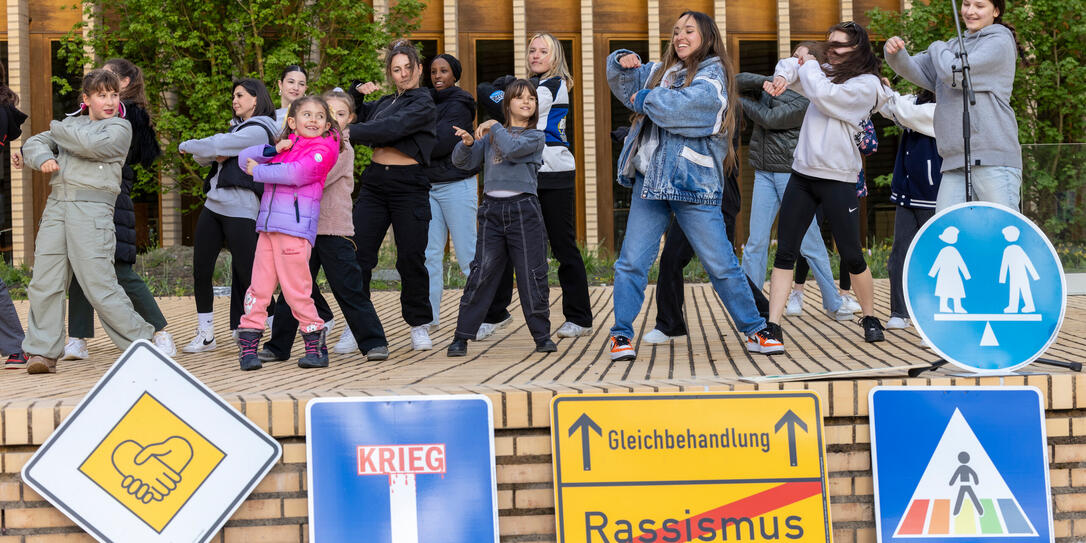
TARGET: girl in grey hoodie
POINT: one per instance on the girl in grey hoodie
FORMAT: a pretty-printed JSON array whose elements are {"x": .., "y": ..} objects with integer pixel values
[{"x": 996, "y": 154}]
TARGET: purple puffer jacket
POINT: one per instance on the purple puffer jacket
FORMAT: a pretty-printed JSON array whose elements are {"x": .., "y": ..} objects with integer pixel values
[{"x": 293, "y": 184}]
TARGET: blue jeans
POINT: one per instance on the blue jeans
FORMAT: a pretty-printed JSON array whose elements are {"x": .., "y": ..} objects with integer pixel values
[
  {"x": 996, "y": 184},
  {"x": 452, "y": 213},
  {"x": 704, "y": 227},
  {"x": 764, "y": 204}
]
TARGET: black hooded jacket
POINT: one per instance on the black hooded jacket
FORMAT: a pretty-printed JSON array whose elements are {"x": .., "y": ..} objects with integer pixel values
[
  {"x": 11, "y": 120},
  {"x": 403, "y": 121},
  {"x": 143, "y": 151},
  {"x": 455, "y": 107}
]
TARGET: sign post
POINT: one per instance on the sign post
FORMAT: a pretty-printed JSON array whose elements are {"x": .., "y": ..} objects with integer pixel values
[{"x": 689, "y": 467}]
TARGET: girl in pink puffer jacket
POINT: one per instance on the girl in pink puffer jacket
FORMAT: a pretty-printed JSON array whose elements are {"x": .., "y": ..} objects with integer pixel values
[{"x": 293, "y": 171}]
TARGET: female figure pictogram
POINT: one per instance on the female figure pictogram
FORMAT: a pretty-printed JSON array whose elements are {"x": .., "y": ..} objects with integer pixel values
[{"x": 948, "y": 270}]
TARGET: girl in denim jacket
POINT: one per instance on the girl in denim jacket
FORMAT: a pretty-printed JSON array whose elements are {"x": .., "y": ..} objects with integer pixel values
[
  {"x": 674, "y": 158},
  {"x": 294, "y": 171}
]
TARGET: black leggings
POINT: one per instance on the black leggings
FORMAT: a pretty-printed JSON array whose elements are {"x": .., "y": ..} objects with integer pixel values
[
  {"x": 239, "y": 236},
  {"x": 840, "y": 208}
]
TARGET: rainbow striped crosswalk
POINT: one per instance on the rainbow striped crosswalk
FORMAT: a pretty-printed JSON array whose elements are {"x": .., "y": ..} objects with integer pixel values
[{"x": 1000, "y": 517}]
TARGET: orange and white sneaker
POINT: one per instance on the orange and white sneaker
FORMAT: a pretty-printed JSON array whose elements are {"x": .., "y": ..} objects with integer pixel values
[
  {"x": 770, "y": 340},
  {"x": 621, "y": 348}
]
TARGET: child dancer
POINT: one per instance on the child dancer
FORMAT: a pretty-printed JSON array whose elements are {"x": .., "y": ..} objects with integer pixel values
[
  {"x": 294, "y": 171},
  {"x": 510, "y": 221},
  {"x": 76, "y": 236},
  {"x": 334, "y": 251}
]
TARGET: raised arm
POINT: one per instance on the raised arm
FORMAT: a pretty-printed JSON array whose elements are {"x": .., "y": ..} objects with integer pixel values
[
  {"x": 851, "y": 101},
  {"x": 225, "y": 144},
  {"x": 38, "y": 149},
  {"x": 469, "y": 157},
  {"x": 783, "y": 116},
  {"x": 625, "y": 82},
  {"x": 312, "y": 167},
  {"x": 417, "y": 115},
  {"x": 518, "y": 147},
  {"x": 99, "y": 140},
  {"x": 694, "y": 111},
  {"x": 916, "y": 69}
]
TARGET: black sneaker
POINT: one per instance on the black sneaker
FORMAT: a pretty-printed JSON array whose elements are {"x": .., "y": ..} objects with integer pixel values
[
  {"x": 377, "y": 353},
  {"x": 459, "y": 347},
  {"x": 268, "y": 355},
  {"x": 872, "y": 329},
  {"x": 17, "y": 361},
  {"x": 545, "y": 346}
]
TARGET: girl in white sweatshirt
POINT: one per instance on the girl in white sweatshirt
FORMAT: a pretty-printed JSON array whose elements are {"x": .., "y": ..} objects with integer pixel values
[{"x": 843, "y": 93}]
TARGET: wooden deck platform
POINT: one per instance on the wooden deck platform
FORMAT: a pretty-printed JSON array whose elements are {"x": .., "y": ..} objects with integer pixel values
[{"x": 713, "y": 354}]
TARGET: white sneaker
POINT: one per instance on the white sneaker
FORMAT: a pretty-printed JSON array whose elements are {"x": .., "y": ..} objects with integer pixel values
[
  {"x": 420, "y": 338},
  {"x": 795, "y": 303},
  {"x": 847, "y": 301},
  {"x": 346, "y": 343},
  {"x": 328, "y": 325},
  {"x": 487, "y": 329},
  {"x": 568, "y": 329},
  {"x": 268, "y": 321},
  {"x": 656, "y": 337},
  {"x": 164, "y": 342},
  {"x": 203, "y": 342},
  {"x": 842, "y": 314},
  {"x": 897, "y": 323},
  {"x": 75, "y": 349}
]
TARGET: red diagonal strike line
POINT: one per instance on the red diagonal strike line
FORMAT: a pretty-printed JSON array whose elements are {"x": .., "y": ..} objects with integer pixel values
[{"x": 755, "y": 505}]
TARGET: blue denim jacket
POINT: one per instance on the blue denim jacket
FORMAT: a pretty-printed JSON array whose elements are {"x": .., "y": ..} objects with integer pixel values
[{"x": 688, "y": 165}]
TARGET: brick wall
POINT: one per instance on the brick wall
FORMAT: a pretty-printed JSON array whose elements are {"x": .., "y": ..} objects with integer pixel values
[{"x": 276, "y": 511}]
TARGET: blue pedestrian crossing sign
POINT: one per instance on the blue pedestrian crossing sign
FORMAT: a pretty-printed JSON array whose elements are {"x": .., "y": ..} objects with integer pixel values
[
  {"x": 402, "y": 469},
  {"x": 954, "y": 464},
  {"x": 984, "y": 287}
]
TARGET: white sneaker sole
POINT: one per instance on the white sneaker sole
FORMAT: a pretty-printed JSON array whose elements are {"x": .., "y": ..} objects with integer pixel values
[
  {"x": 757, "y": 348},
  {"x": 584, "y": 332},
  {"x": 201, "y": 349},
  {"x": 74, "y": 356}
]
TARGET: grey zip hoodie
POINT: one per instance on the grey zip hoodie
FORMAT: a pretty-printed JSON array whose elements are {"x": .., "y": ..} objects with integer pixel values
[
  {"x": 231, "y": 201},
  {"x": 513, "y": 157},
  {"x": 992, "y": 59}
]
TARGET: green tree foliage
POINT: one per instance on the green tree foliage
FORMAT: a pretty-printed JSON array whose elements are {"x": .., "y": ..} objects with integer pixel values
[
  {"x": 1049, "y": 97},
  {"x": 191, "y": 50}
]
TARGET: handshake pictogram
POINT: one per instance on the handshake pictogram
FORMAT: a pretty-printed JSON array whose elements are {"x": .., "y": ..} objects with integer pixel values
[{"x": 151, "y": 472}]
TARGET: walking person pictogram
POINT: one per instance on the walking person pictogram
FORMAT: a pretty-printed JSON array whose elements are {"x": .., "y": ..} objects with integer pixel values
[
  {"x": 948, "y": 270},
  {"x": 967, "y": 478},
  {"x": 1018, "y": 269}
]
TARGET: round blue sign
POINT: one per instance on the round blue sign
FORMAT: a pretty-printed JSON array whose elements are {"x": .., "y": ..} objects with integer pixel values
[{"x": 985, "y": 287}]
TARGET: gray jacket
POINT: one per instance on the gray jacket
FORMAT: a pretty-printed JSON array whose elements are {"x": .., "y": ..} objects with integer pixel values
[
  {"x": 90, "y": 154},
  {"x": 513, "y": 157},
  {"x": 776, "y": 123},
  {"x": 992, "y": 58}
]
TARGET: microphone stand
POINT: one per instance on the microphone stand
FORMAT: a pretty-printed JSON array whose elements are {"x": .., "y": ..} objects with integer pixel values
[{"x": 968, "y": 99}]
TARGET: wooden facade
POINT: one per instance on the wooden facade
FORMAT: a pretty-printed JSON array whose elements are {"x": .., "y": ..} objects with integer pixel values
[{"x": 487, "y": 36}]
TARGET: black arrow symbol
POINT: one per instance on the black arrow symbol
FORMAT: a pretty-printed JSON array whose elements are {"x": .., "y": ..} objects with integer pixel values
[
  {"x": 584, "y": 423},
  {"x": 792, "y": 420}
]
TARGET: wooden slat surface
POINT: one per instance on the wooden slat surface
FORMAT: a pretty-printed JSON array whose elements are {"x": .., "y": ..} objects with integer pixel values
[{"x": 712, "y": 354}]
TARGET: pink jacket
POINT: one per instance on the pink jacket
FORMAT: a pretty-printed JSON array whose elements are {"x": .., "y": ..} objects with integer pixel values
[{"x": 293, "y": 184}]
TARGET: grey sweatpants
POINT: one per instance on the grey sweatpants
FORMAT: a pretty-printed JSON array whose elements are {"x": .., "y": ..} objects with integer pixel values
[{"x": 77, "y": 237}]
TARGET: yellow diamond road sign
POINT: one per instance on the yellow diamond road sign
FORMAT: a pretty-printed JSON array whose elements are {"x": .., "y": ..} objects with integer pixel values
[
  {"x": 151, "y": 455},
  {"x": 731, "y": 466}
]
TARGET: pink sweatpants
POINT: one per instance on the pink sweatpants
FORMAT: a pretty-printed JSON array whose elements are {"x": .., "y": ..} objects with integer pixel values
[{"x": 283, "y": 259}]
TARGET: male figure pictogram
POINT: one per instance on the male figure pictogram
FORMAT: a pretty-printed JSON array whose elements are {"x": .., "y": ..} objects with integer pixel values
[
  {"x": 1018, "y": 268},
  {"x": 967, "y": 478}
]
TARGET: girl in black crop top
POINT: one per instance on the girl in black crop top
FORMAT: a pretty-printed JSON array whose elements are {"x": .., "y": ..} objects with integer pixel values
[{"x": 394, "y": 188}]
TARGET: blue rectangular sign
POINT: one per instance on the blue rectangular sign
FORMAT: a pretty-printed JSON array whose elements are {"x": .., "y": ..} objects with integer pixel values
[
  {"x": 401, "y": 469},
  {"x": 955, "y": 464}
]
